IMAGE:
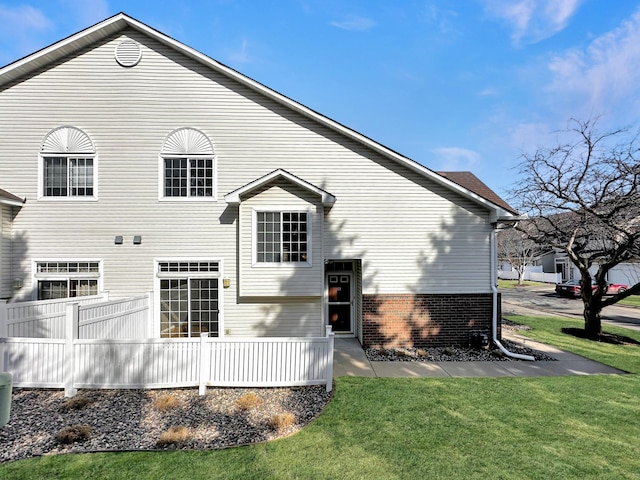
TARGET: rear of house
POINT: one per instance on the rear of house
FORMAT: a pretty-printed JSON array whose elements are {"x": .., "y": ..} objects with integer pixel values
[{"x": 130, "y": 163}]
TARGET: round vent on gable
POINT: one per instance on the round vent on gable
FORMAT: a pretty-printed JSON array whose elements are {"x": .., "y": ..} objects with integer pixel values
[{"x": 128, "y": 53}]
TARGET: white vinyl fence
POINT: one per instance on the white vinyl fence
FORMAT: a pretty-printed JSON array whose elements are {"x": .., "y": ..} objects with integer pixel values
[
  {"x": 118, "y": 319},
  {"x": 74, "y": 362},
  {"x": 115, "y": 319},
  {"x": 40, "y": 319},
  {"x": 531, "y": 275}
]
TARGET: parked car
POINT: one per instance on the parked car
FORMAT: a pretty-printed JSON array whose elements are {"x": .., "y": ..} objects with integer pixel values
[
  {"x": 614, "y": 288},
  {"x": 572, "y": 288}
]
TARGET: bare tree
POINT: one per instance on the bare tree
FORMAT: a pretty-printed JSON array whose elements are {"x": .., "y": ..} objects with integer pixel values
[
  {"x": 518, "y": 250},
  {"x": 583, "y": 197}
]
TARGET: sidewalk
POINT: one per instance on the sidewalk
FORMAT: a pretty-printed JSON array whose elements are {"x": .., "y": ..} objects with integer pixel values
[{"x": 349, "y": 359}]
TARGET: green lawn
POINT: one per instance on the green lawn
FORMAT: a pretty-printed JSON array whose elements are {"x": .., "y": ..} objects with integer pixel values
[
  {"x": 632, "y": 301},
  {"x": 514, "y": 284},
  {"x": 499, "y": 428}
]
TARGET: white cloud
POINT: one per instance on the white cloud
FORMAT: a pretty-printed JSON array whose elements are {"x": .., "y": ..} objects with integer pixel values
[
  {"x": 533, "y": 20},
  {"x": 240, "y": 54},
  {"x": 355, "y": 23},
  {"x": 22, "y": 27},
  {"x": 488, "y": 92},
  {"x": 455, "y": 159},
  {"x": 529, "y": 137},
  {"x": 605, "y": 76},
  {"x": 22, "y": 18}
]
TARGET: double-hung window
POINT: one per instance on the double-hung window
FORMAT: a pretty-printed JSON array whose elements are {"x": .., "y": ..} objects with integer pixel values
[
  {"x": 189, "y": 298},
  {"x": 67, "y": 165},
  {"x": 282, "y": 237},
  {"x": 187, "y": 166},
  {"x": 63, "y": 279}
]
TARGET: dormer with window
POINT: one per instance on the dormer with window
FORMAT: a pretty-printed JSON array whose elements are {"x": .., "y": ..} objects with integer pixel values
[{"x": 281, "y": 222}]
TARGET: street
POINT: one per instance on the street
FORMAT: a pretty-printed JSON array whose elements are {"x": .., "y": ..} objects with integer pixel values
[{"x": 543, "y": 299}]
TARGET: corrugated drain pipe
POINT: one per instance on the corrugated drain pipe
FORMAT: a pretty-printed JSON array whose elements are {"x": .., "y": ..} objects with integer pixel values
[{"x": 494, "y": 290}]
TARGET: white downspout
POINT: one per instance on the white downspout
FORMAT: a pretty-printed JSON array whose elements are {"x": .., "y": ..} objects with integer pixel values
[{"x": 494, "y": 314}]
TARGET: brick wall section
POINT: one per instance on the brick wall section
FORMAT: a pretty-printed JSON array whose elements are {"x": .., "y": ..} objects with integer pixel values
[{"x": 425, "y": 320}]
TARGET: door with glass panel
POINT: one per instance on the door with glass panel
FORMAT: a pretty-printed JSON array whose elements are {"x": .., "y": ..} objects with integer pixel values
[{"x": 340, "y": 301}]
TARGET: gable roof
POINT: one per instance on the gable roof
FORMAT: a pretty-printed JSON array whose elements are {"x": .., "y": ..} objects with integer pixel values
[
  {"x": 233, "y": 198},
  {"x": 7, "y": 198},
  {"x": 113, "y": 25},
  {"x": 469, "y": 181}
]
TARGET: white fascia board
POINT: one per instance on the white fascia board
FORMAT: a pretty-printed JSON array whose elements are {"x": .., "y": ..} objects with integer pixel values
[
  {"x": 12, "y": 203},
  {"x": 233, "y": 198}
]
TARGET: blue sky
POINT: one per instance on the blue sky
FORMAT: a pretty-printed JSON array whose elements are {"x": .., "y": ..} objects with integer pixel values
[{"x": 452, "y": 84}]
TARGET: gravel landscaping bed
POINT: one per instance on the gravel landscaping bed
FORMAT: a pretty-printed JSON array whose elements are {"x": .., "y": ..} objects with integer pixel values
[
  {"x": 452, "y": 354},
  {"x": 143, "y": 419},
  {"x": 457, "y": 354}
]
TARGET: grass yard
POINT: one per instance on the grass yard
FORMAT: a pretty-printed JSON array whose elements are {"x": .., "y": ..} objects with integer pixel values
[
  {"x": 514, "y": 283},
  {"x": 632, "y": 301},
  {"x": 500, "y": 428}
]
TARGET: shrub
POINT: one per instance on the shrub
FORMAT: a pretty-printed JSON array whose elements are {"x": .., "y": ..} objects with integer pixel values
[
  {"x": 175, "y": 436},
  {"x": 248, "y": 401},
  {"x": 75, "y": 403},
  {"x": 166, "y": 402},
  {"x": 282, "y": 421},
  {"x": 73, "y": 434}
]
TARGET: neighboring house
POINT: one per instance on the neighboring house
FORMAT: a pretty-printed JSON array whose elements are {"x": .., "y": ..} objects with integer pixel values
[
  {"x": 557, "y": 261},
  {"x": 138, "y": 164}
]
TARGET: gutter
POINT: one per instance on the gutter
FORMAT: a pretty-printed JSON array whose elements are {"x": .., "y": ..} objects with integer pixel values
[{"x": 494, "y": 314}]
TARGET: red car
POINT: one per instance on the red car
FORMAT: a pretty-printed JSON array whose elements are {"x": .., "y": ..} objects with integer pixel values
[{"x": 572, "y": 288}]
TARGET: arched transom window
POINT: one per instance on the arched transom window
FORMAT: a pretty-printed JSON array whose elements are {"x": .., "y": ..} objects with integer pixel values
[
  {"x": 67, "y": 167},
  {"x": 187, "y": 166}
]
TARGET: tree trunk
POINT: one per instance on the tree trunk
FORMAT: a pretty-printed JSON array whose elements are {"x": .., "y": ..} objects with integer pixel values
[{"x": 592, "y": 320}]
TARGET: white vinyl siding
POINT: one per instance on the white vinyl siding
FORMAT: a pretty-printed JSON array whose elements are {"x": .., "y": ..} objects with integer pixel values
[{"x": 412, "y": 235}]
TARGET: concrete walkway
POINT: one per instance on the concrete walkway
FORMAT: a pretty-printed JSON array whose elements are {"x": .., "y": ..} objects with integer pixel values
[{"x": 349, "y": 359}]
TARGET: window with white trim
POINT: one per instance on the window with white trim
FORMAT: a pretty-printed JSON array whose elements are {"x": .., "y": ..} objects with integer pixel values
[
  {"x": 63, "y": 279},
  {"x": 188, "y": 177},
  {"x": 68, "y": 177},
  {"x": 67, "y": 165},
  {"x": 189, "y": 298},
  {"x": 187, "y": 166},
  {"x": 282, "y": 237}
]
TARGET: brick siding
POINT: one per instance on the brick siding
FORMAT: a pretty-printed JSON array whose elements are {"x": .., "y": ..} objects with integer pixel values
[{"x": 425, "y": 320}]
